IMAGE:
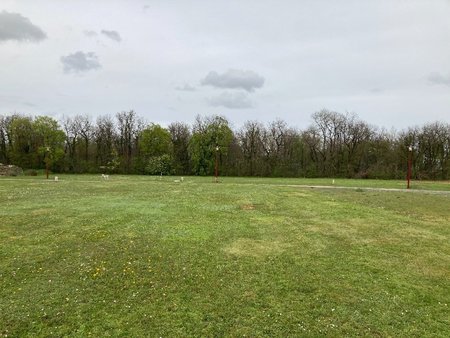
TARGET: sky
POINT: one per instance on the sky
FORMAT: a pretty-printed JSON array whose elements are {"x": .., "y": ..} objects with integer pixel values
[{"x": 170, "y": 60}]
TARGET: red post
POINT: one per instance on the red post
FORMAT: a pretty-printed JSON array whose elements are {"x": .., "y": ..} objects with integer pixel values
[
  {"x": 46, "y": 160},
  {"x": 408, "y": 176},
  {"x": 216, "y": 168}
]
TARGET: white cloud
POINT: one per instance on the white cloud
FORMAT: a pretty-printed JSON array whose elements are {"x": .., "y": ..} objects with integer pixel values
[
  {"x": 14, "y": 26},
  {"x": 437, "y": 78},
  {"x": 231, "y": 100},
  {"x": 80, "y": 62},
  {"x": 234, "y": 79},
  {"x": 90, "y": 34},
  {"x": 186, "y": 88},
  {"x": 113, "y": 35}
]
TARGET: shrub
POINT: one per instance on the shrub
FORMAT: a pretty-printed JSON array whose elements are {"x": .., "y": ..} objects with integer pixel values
[
  {"x": 10, "y": 170},
  {"x": 31, "y": 172}
]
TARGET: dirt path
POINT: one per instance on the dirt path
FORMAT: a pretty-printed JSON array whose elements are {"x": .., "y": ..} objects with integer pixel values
[{"x": 437, "y": 192}]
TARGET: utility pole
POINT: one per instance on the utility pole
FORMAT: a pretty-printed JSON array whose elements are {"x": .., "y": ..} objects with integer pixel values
[
  {"x": 46, "y": 161},
  {"x": 408, "y": 176},
  {"x": 216, "y": 167}
]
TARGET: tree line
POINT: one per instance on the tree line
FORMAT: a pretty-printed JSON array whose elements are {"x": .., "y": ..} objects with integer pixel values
[{"x": 334, "y": 145}]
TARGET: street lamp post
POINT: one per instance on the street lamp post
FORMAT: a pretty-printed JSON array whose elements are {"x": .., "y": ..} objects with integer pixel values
[
  {"x": 216, "y": 167},
  {"x": 408, "y": 176},
  {"x": 46, "y": 161}
]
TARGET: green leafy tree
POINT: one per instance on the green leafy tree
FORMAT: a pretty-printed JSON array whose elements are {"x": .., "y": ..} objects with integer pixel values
[
  {"x": 155, "y": 147},
  {"x": 49, "y": 140},
  {"x": 159, "y": 165},
  {"x": 155, "y": 141},
  {"x": 21, "y": 150},
  {"x": 209, "y": 134}
]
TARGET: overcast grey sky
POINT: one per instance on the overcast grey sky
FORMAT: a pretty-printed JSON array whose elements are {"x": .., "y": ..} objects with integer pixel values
[{"x": 387, "y": 61}]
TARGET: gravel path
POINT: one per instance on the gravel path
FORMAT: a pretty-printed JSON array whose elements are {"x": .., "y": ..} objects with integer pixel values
[{"x": 436, "y": 192}]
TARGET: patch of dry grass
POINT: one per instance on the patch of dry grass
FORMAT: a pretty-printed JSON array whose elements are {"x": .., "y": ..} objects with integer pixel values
[{"x": 255, "y": 248}]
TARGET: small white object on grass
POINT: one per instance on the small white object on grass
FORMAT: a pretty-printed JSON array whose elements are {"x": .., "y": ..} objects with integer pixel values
[
  {"x": 56, "y": 178},
  {"x": 105, "y": 177},
  {"x": 333, "y": 181},
  {"x": 182, "y": 179},
  {"x": 176, "y": 181}
]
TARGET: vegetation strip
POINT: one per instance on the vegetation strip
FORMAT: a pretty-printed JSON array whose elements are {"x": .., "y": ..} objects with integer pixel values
[{"x": 334, "y": 145}]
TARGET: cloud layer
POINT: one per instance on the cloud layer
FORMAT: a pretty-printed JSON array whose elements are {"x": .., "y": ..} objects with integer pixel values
[
  {"x": 234, "y": 79},
  {"x": 231, "y": 100},
  {"x": 14, "y": 26},
  {"x": 186, "y": 88},
  {"x": 79, "y": 62},
  {"x": 437, "y": 78},
  {"x": 235, "y": 55},
  {"x": 89, "y": 33},
  {"x": 113, "y": 35}
]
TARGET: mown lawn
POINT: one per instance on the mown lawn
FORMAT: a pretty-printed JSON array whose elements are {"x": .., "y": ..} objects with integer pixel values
[{"x": 138, "y": 256}]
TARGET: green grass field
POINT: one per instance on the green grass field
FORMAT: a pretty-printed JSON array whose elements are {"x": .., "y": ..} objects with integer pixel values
[{"x": 137, "y": 256}]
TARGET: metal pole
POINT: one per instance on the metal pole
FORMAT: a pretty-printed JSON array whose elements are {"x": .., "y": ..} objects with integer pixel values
[
  {"x": 216, "y": 169},
  {"x": 409, "y": 166},
  {"x": 46, "y": 161}
]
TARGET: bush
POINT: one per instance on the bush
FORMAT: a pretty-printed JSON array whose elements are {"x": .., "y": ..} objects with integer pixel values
[
  {"x": 10, "y": 170},
  {"x": 31, "y": 172},
  {"x": 157, "y": 165}
]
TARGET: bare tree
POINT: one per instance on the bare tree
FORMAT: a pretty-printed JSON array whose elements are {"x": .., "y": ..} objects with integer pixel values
[
  {"x": 432, "y": 153},
  {"x": 331, "y": 126},
  {"x": 250, "y": 139},
  {"x": 72, "y": 128},
  {"x": 180, "y": 135},
  {"x": 86, "y": 132},
  {"x": 105, "y": 138},
  {"x": 127, "y": 132}
]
